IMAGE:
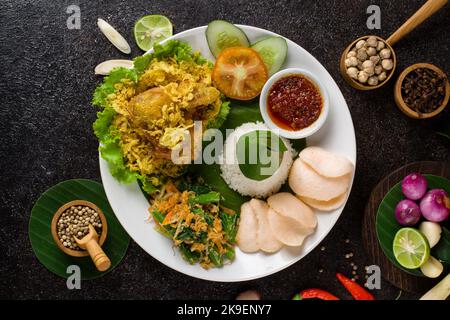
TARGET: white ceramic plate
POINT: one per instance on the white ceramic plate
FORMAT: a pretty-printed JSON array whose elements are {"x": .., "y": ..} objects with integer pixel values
[{"x": 338, "y": 135}]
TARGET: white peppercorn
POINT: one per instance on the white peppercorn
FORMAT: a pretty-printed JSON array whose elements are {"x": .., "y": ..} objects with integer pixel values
[
  {"x": 352, "y": 72},
  {"x": 387, "y": 64},
  {"x": 375, "y": 59},
  {"x": 380, "y": 45},
  {"x": 360, "y": 65},
  {"x": 360, "y": 44},
  {"x": 372, "y": 81},
  {"x": 361, "y": 54},
  {"x": 351, "y": 62},
  {"x": 367, "y": 64},
  {"x": 372, "y": 41},
  {"x": 369, "y": 70},
  {"x": 363, "y": 76},
  {"x": 382, "y": 76},
  {"x": 369, "y": 61},
  {"x": 385, "y": 53},
  {"x": 378, "y": 69},
  {"x": 74, "y": 223},
  {"x": 371, "y": 51}
]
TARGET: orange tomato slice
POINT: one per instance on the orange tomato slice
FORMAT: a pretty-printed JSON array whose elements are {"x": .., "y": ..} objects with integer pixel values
[{"x": 239, "y": 73}]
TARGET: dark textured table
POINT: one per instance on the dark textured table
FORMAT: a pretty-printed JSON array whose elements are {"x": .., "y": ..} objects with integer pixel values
[{"x": 46, "y": 136}]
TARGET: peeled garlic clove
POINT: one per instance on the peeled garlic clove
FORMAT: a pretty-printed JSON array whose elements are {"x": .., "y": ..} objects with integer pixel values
[
  {"x": 115, "y": 37},
  {"x": 105, "y": 67},
  {"x": 432, "y": 268},
  {"x": 431, "y": 231}
]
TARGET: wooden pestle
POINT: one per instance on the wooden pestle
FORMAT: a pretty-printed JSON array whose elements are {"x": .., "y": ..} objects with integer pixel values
[{"x": 90, "y": 243}]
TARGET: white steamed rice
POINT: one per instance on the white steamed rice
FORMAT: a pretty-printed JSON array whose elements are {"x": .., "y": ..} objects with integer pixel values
[{"x": 237, "y": 181}]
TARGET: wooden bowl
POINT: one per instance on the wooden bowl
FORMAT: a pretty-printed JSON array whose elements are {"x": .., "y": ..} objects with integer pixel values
[
  {"x": 70, "y": 252},
  {"x": 356, "y": 84},
  {"x": 399, "y": 98}
]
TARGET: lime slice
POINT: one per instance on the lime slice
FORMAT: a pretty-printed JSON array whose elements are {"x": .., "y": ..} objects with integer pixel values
[
  {"x": 411, "y": 248},
  {"x": 151, "y": 29}
]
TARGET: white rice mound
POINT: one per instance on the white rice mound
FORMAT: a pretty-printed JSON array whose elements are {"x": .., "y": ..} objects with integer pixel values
[{"x": 237, "y": 181}]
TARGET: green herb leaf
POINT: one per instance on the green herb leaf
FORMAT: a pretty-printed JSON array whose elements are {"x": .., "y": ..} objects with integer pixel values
[
  {"x": 211, "y": 197},
  {"x": 215, "y": 257},
  {"x": 230, "y": 253},
  {"x": 229, "y": 225},
  {"x": 190, "y": 256}
]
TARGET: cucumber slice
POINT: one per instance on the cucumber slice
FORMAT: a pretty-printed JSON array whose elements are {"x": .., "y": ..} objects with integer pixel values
[
  {"x": 273, "y": 51},
  {"x": 221, "y": 34}
]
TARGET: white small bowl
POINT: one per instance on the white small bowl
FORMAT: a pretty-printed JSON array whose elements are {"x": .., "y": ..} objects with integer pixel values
[{"x": 297, "y": 134}]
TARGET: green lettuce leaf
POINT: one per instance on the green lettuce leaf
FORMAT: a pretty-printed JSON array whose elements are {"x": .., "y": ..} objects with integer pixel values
[
  {"x": 107, "y": 87},
  {"x": 181, "y": 51},
  {"x": 146, "y": 185},
  {"x": 141, "y": 63},
  {"x": 109, "y": 146},
  {"x": 102, "y": 124},
  {"x": 221, "y": 116}
]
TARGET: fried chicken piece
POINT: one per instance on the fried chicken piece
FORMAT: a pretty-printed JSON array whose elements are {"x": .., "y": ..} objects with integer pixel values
[
  {"x": 203, "y": 96},
  {"x": 147, "y": 105}
]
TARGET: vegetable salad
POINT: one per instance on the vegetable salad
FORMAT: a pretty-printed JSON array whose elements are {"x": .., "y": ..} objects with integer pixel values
[{"x": 191, "y": 215}]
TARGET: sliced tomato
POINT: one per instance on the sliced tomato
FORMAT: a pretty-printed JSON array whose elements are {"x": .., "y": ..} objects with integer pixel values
[{"x": 239, "y": 73}]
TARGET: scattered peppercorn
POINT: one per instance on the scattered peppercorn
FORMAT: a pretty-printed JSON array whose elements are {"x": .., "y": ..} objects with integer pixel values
[
  {"x": 423, "y": 90},
  {"x": 74, "y": 222}
]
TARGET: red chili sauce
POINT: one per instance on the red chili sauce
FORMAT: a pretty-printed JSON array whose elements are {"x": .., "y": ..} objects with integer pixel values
[{"x": 294, "y": 102}]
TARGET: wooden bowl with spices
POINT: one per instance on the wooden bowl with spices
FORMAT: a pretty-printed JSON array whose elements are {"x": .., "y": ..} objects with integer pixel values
[
  {"x": 88, "y": 213},
  {"x": 370, "y": 61},
  {"x": 378, "y": 73},
  {"x": 422, "y": 91}
]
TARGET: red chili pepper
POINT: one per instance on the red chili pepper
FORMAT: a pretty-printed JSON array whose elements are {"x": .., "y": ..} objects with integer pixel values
[
  {"x": 315, "y": 294},
  {"x": 357, "y": 292}
]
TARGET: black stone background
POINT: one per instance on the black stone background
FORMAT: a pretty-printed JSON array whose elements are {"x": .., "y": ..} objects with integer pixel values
[{"x": 45, "y": 130}]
